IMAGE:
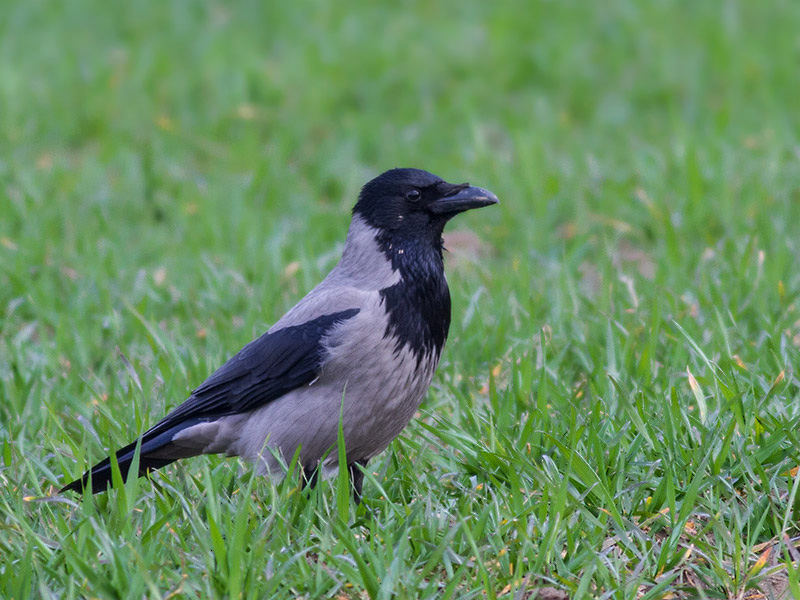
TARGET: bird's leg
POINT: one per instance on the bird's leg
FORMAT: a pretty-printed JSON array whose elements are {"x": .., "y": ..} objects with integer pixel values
[
  {"x": 310, "y": 476},
  {"x": 357, "y": 478}
]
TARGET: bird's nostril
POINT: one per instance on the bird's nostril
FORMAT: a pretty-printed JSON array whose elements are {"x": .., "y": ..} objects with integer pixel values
[{"x": 451, "y": 189}]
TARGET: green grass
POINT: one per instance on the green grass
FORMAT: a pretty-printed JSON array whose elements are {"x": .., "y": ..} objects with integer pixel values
[{"x": 616, "y": 412}]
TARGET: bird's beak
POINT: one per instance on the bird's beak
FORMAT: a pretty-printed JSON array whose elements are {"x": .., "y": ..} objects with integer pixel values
[{"x": 465, "y": 199}]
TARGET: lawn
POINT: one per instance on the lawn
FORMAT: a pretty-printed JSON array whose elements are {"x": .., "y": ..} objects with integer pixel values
[{"x": 616, "y": 412}]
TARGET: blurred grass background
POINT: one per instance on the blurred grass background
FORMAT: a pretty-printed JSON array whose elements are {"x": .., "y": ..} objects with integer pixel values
[{"x": 616, "y": 411}]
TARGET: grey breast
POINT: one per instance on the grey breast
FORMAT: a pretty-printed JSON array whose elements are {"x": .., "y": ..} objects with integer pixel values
[{"x": 374, "y": 388}]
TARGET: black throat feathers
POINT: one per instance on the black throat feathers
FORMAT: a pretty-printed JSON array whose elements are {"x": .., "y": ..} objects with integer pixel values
[{"x": 419, "y": 304}]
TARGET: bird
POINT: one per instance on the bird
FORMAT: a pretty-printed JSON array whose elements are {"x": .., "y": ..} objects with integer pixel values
[{"x": 358, "y": 352}]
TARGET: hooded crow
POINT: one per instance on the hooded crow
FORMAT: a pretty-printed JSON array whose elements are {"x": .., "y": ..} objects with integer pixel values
[{"x": 361, "y": 349}]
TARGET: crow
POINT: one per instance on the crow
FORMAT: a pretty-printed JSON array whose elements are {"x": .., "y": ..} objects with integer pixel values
[{"x": 359, "y": 350}]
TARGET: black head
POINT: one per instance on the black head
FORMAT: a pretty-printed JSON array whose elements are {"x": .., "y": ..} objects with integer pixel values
[{"x": 412, "y": 201}]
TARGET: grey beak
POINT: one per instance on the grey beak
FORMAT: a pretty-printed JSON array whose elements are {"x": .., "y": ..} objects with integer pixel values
[{"x": 465, "y": 199}]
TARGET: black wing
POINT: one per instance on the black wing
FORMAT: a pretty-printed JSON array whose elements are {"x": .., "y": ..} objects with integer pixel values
[{"x": 264, "y": 370}]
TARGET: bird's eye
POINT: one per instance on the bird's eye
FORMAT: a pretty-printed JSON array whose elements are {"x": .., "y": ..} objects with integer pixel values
[{"x": 413, "y": 195}]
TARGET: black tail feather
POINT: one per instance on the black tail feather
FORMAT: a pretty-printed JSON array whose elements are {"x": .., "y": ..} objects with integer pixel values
[
  {"x": 100, "y": 474},
  {"x": 154, "y": 454}
]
